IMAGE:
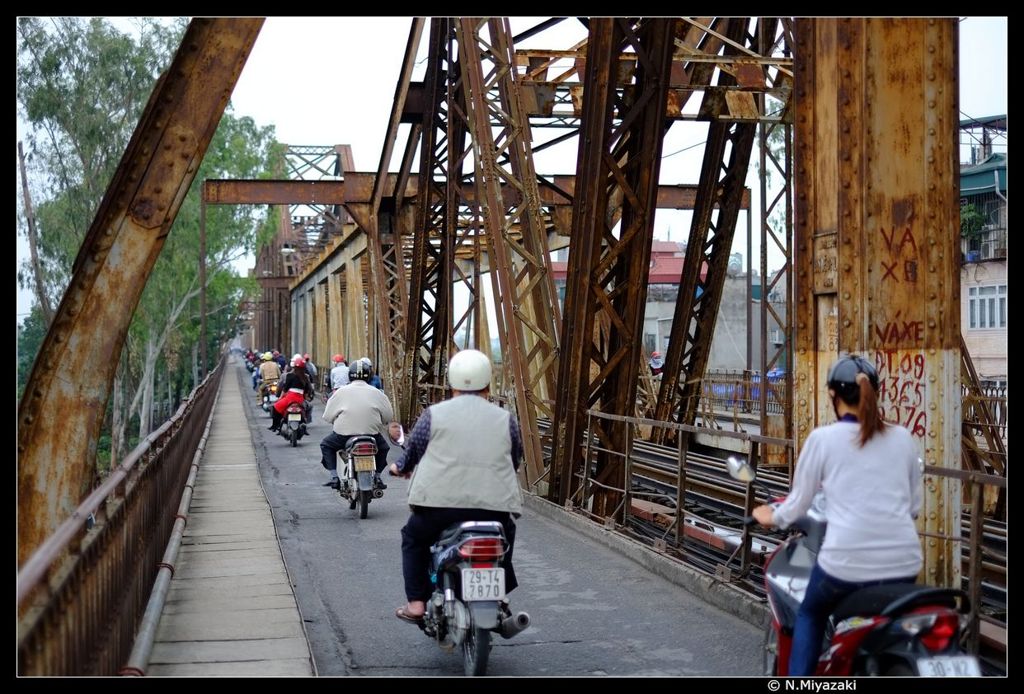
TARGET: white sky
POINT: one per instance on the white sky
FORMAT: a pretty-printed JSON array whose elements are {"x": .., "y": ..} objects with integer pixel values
[{"x": 325, "y": 81}]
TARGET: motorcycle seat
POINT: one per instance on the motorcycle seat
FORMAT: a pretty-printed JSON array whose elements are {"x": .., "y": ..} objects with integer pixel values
[
  {"x": 361, "y": 438},
  {"x": 482, "y": 527},
  {"x": 892, "y": 599}
]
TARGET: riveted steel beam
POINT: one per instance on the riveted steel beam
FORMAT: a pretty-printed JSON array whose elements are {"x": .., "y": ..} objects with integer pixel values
[
  {"x": 519, "y": 262},
  {"x": 606, "y": 287},
  {"x": 877, "y": 254},
  {"x": 441, "y": 157},
  {"x": 264, "y": 192},
  {"x": 59, "y": 419},
  {"x": 387, "y": 271},
  {"x": 723, "y": 172}
]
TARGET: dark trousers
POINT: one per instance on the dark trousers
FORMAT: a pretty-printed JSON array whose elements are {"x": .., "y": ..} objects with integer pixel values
[
  {"x": 332, "y": 443},
  {"x": 824, "y": 593},
  {"x": 425, "y": 525}
]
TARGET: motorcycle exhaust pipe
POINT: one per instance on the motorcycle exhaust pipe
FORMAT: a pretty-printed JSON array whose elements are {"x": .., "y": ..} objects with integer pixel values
[
  {"x": 378, "y": 493},
  {"x": 513, "y": 625}
]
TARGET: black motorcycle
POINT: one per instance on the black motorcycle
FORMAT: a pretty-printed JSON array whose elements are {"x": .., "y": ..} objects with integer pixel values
[
  {"x": 469, "y": 600},
  {"x": 294, "y": 426},
  {"x": 358, "y": 463}
]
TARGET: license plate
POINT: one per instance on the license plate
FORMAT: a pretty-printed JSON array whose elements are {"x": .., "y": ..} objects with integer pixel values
[
  {"x": 295, "y": 418},
  {"x": 949, "y": 666},
  {"x": 483, "y": 584},
  {"x": 365, "y": 464}
]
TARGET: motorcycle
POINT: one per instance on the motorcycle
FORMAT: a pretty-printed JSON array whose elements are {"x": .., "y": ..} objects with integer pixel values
[
  {"x": 358, "y": 462},
  {"x": 294, "y": 426},
  {"x": 894, "y": 629},
  {"x": 270, "y": 394},
  {"x": 468, "y": 602}
]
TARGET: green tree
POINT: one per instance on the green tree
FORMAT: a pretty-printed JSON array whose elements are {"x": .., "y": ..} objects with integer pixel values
[
  {"x": 82, "y": 86},
  {"x": 30, "y": 336}
]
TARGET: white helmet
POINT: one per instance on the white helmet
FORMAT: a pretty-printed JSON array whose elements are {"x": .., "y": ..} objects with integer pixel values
[
  {"x": 294, "y": 357},
  {"x": 469, "y": 371}
]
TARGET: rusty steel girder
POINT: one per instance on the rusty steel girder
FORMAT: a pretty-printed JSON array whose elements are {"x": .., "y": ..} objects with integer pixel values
[
  {"x": 265, "y": 192},
  {"x": 553, "y": 93},
  {"x": 607, "y": 278},
  {"x": 520, "y": 264},
  {"x": 59, "y": 419},
  {"x": 387, "y": 269},
  {"x": 708, "y": 249},
  {"x": 877, "y": 256},
  {"x": 441, "y": 152}
]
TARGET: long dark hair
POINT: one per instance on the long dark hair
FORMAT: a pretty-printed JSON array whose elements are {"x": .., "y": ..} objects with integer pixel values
[
  {"x": 300, "y": 373},
  {"x": 865, "y": 399}
]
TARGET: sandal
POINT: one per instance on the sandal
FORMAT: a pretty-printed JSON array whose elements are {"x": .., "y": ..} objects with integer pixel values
[{"x": 406, "y": 617}]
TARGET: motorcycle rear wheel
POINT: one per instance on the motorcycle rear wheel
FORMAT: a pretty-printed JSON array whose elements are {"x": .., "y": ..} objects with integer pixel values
[
  {"x": 364, "y": 503},
  {"x": 476, "y": 649}
]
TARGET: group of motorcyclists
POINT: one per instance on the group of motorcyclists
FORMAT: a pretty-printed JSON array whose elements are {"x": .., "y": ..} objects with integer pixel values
[{"x": 457, "y": 479}]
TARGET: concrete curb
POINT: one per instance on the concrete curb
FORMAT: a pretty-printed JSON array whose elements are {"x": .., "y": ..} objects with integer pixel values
[{"x": 721, "y": 595}]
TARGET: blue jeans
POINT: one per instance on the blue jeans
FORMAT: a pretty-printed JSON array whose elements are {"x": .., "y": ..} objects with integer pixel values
[{"x": 824, "y": 593}]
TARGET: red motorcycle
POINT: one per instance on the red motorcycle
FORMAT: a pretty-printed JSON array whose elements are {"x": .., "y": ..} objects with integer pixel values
[{"x": 895, "y": 629}]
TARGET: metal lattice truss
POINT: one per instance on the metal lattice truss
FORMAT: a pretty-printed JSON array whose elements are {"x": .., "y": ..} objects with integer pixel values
[
  {"x": 518, "y": 251},
  {"x": 724, "y": 169},
  {"x": 439, "y": 229},
  {"x": 441, "y": 153},
  {"x": 553, "y": 87},
  {"x": 607, "y": 278},
  {"x": 777, "y": 233},
  {"x": 309, "y": 227}
]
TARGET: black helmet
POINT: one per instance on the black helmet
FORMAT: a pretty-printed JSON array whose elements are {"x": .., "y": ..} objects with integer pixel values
[
  {"x": 358, "y": 371},
  {"x": 842, "y": 377}
]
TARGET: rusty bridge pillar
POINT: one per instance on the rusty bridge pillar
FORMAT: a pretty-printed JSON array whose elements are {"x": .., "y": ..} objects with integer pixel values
[{"x": 877, "y": 254}]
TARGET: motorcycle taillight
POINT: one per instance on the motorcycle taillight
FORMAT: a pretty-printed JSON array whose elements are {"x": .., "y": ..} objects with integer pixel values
[
  {"x": 364, "y": 449},
  {"x": 941, "y": 632},
  {"x": 482, "y": 549}
]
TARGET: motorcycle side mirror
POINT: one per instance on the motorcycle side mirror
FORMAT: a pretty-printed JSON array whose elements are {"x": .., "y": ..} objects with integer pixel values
[{"x": 739, "y": 469}]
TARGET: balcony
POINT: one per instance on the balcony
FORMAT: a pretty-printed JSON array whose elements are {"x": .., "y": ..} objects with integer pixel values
[{"x": 988, "y": 244}]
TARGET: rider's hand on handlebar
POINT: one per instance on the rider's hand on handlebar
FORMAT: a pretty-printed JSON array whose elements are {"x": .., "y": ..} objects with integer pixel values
[
  {"x": 393, "y": 470},
  {"x": 763, "y": 515}
]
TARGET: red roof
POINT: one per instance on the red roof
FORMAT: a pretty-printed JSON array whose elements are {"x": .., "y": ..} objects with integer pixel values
[{"x": 664, "y": 269}]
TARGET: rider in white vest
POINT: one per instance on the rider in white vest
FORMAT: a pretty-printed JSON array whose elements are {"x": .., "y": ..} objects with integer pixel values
[{"x": 465, "y": 453}]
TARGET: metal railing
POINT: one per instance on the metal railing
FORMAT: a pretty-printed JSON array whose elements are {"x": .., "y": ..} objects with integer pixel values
[
  {"x": 739, "y": 392},
  {"x": 581, "y": 498},
  {"x": 82, "y": 593},
  {"x": 739, "y": 563},
  {"x": 974, "y": 489}
]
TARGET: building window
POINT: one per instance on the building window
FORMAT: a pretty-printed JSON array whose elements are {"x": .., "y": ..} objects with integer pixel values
[{"x": 986, "y": 307}]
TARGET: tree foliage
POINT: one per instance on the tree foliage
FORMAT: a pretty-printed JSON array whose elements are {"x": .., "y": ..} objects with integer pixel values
[
  {"x": 82, "y": 85},
  {"x": 971, "y": 220}
]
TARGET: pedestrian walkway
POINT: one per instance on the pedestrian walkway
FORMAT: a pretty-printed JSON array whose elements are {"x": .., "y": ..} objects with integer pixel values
[{"x": 230, "y": 609}]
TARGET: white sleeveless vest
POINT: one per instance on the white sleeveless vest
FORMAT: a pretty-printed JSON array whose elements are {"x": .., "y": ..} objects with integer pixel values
[{"x": 468, "y": 461}]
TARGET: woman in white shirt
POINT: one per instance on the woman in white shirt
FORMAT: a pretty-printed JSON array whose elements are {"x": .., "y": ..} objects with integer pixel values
[{"x": 871, "y": 478}]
